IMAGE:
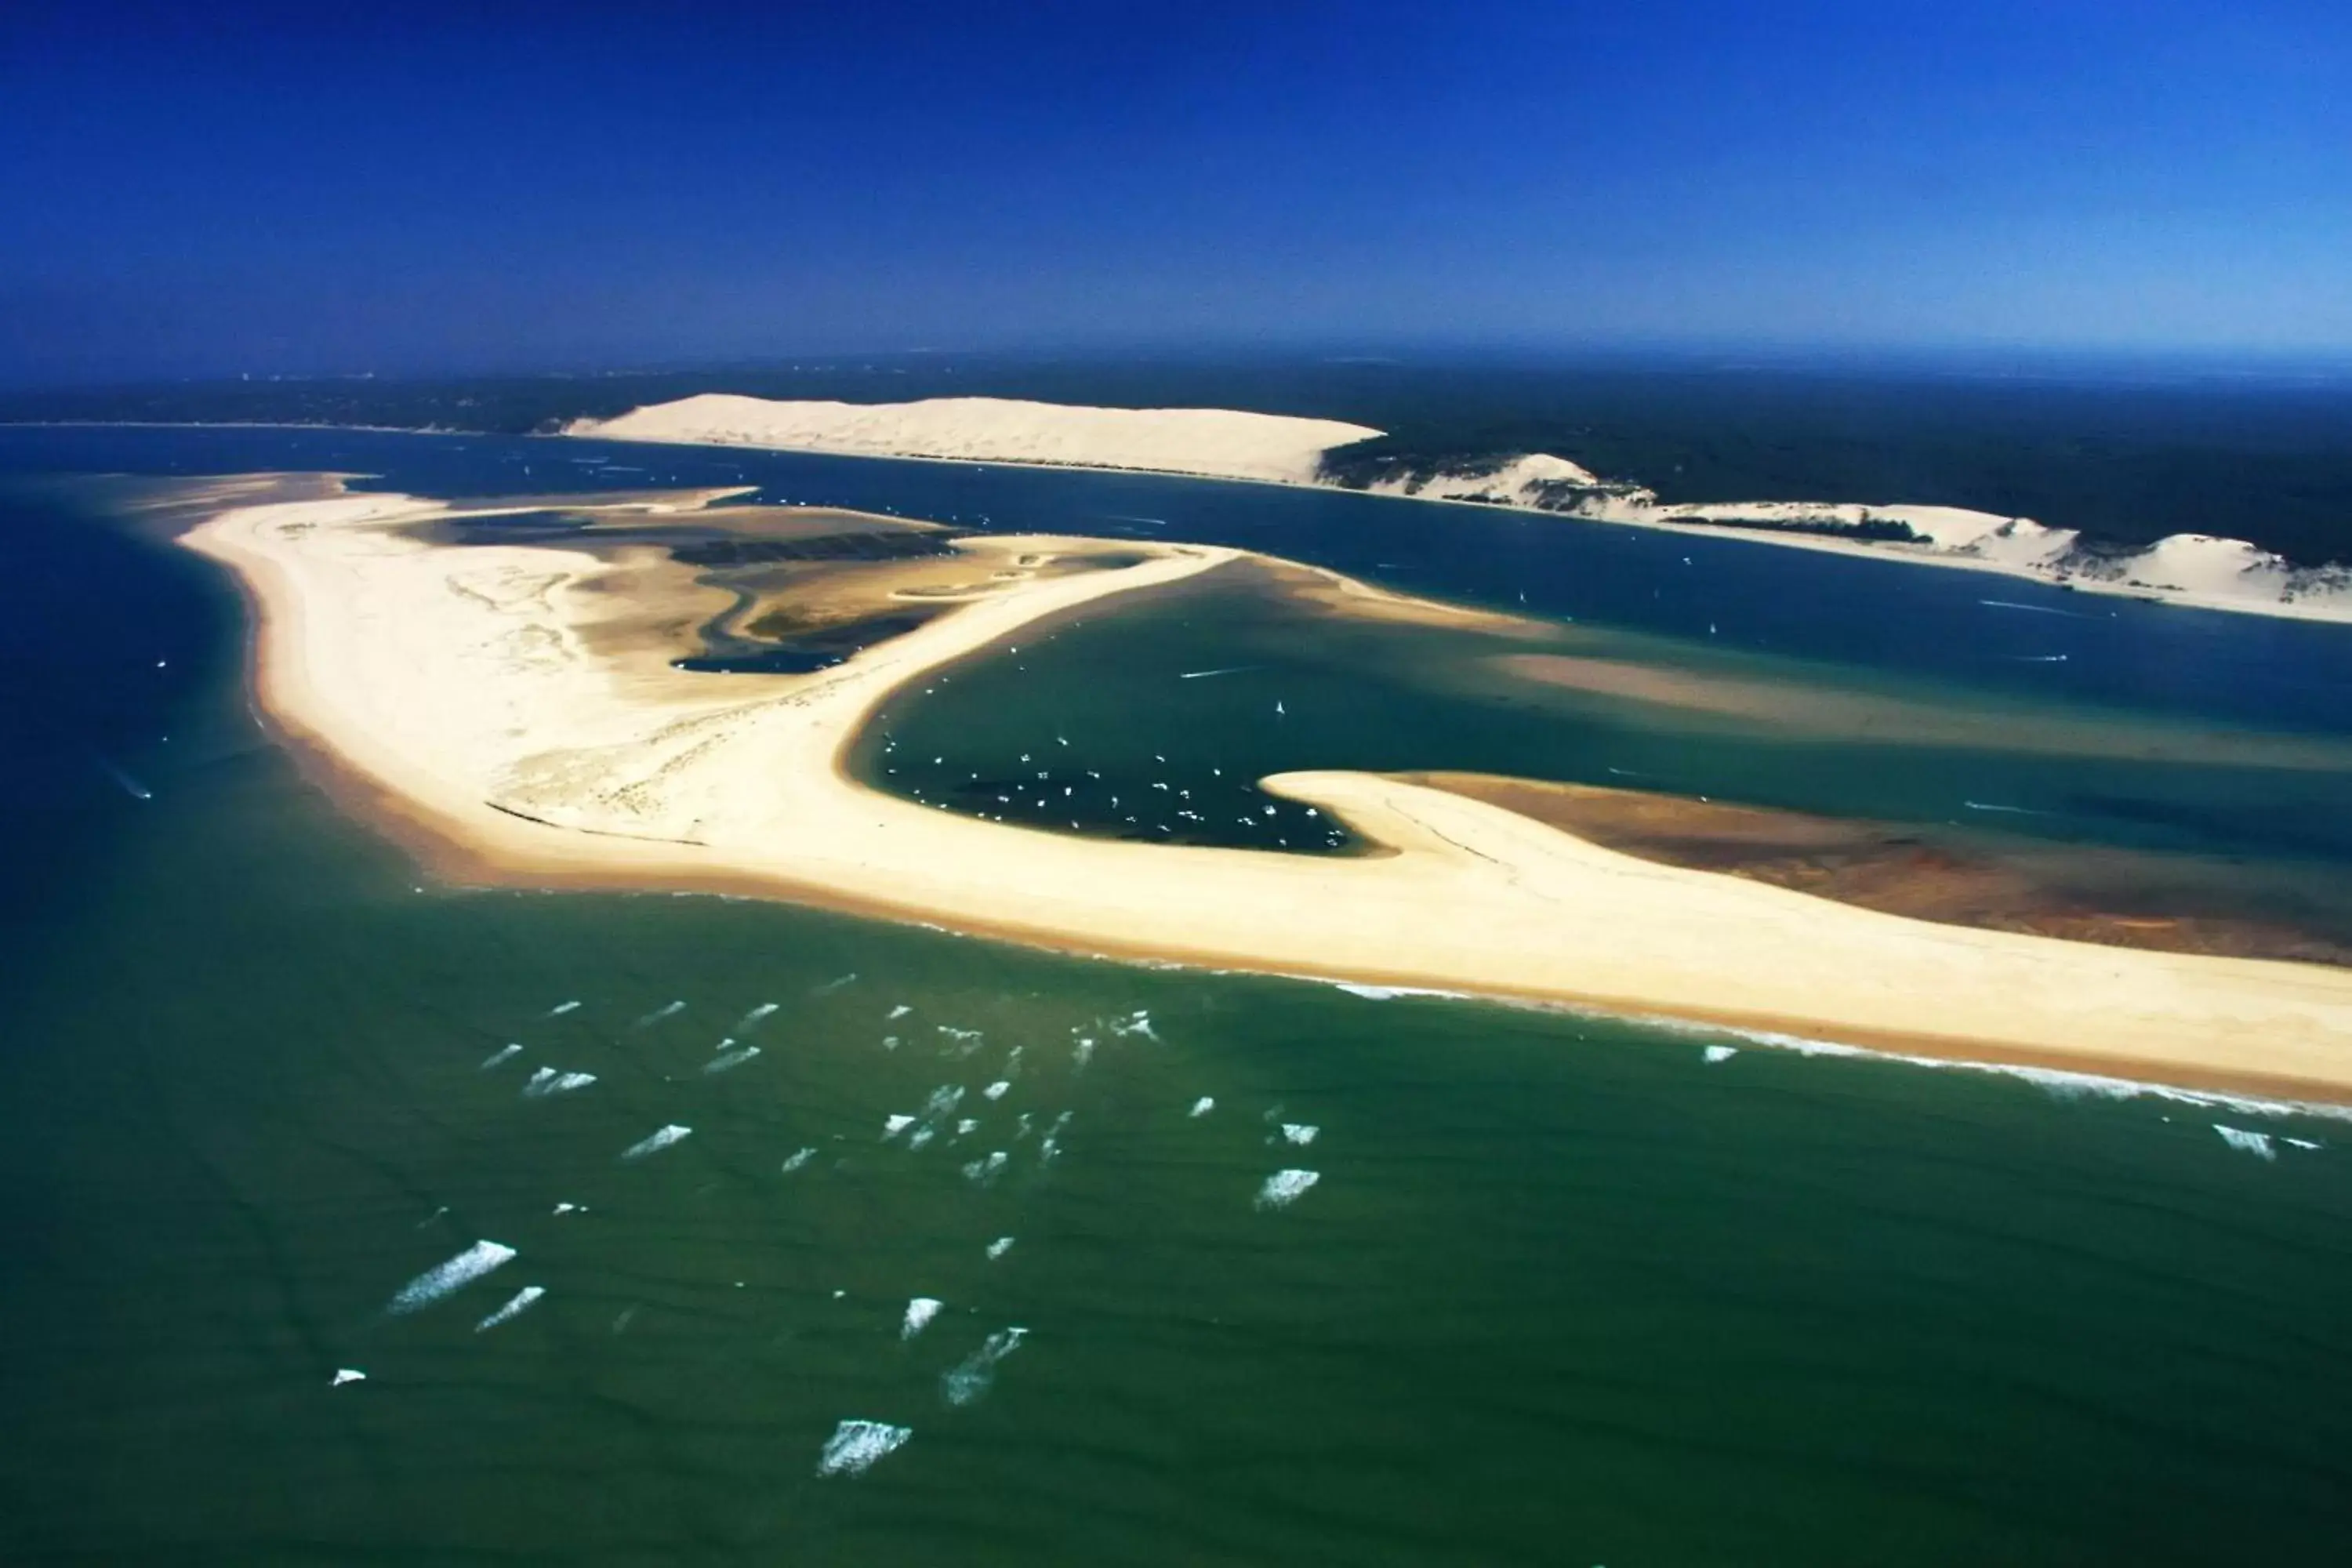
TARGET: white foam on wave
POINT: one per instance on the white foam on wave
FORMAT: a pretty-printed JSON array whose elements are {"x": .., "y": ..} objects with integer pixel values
[
  {"x": 965, "y": 1382},
  {"x": 655, "y": 1141},
  {"x": 900, "y": 1011},
  {"x": 506, "y": 1053},
  {"x": 666, "y": 1010},
  {"x": 999, "y": 1248},
  {"x": 998, "y": 1089},
  {"x": 1719, "y": 1053},
  {"x": 2060, "y": 1083},
  {"x": 1202, "y": 1106},
  {"x": 561, "y": 1008},
  {"x": 985, "y": 1171},
  {"x": 344, "y": 1374},
  {"x": 1082, "y": 1053},
  {"x": 1299, "y": 1133},
  {"x": 2255, "y": 1143},
  {"x": 763, "y": 1010},
  {"x": 547, "y": 1081},
  {"x": 519, "y": 1303},
  {"x": 1284, "y": 1187},
  {"x": 799, "y": 1158},
  {"x": 727, "y": 1061},
  {"x": 921, "y": 1310},
  {"x": 448, "y": 1278},
  {"x": 571, "y": 1208},
  {"x": 967, "y": 1126},
  {"x": 894, "y": 1124},
  {"x": 2300, "y": 1142},
  {"x": 854, "y": 1445},
  {"x": 1390, "y": 993},
  {"x": 1136, "y": 1023},
  {"x": 829, "y": 986}
]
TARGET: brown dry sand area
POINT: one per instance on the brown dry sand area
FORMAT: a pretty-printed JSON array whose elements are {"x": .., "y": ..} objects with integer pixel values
[
  {"x": 485, "y": 699},
  {"x": 2081, "y": 894},
  {"x": 1807, "y": 711}
]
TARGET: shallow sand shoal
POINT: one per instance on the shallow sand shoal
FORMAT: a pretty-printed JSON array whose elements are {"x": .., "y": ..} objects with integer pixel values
[
  {"x": 2121, "y": 898},
  {"x": 472, "y": 692}
]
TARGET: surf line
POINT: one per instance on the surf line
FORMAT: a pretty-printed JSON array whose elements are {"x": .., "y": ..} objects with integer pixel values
[{"x": 1204, "y": 674}]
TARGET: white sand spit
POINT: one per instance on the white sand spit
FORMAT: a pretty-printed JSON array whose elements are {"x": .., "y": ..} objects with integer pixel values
[{"x": 479, "y": 698}]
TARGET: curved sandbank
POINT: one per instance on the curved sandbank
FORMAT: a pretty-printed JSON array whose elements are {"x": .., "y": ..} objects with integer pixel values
[
  {"x": 511, "y": 710},
  {"x": 2193, "y": 569}
]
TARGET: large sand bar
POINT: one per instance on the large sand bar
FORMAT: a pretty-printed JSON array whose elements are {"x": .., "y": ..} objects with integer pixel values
[
  {"x": 511, "y": 709},
  {"x": 1216, "y": 443}
]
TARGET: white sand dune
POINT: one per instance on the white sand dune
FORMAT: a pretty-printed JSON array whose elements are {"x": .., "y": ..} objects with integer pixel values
[
  {"x": 2185, "y": 568},
  {"x": 485, "y": 701},
  {"x": 1218, "y": 443}
]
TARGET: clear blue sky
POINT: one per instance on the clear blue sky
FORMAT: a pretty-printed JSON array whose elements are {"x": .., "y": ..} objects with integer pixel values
[{"x": 214, "y": 187}]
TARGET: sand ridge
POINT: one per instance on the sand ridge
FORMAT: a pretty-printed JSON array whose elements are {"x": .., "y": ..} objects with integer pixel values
[{"x": 460, "y": 687}]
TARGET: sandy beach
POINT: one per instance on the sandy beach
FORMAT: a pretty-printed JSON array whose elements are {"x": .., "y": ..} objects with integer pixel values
[{"x": 510, "y": 711}]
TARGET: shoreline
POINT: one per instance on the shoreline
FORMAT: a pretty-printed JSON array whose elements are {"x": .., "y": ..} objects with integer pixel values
[
  {"x": 799, "y": 426},
  {"x": 1789, "y": 539},
  {"x": 1763, "y": 538},
  {"x": 390, "y": 685}
]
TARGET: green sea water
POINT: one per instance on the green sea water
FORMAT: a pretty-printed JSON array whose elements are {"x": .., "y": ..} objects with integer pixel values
[{"x": 1563, "y": 1289}]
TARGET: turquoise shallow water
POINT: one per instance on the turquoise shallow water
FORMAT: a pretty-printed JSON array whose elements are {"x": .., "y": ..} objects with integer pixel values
[{"x": 1564, "y": 1291}]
